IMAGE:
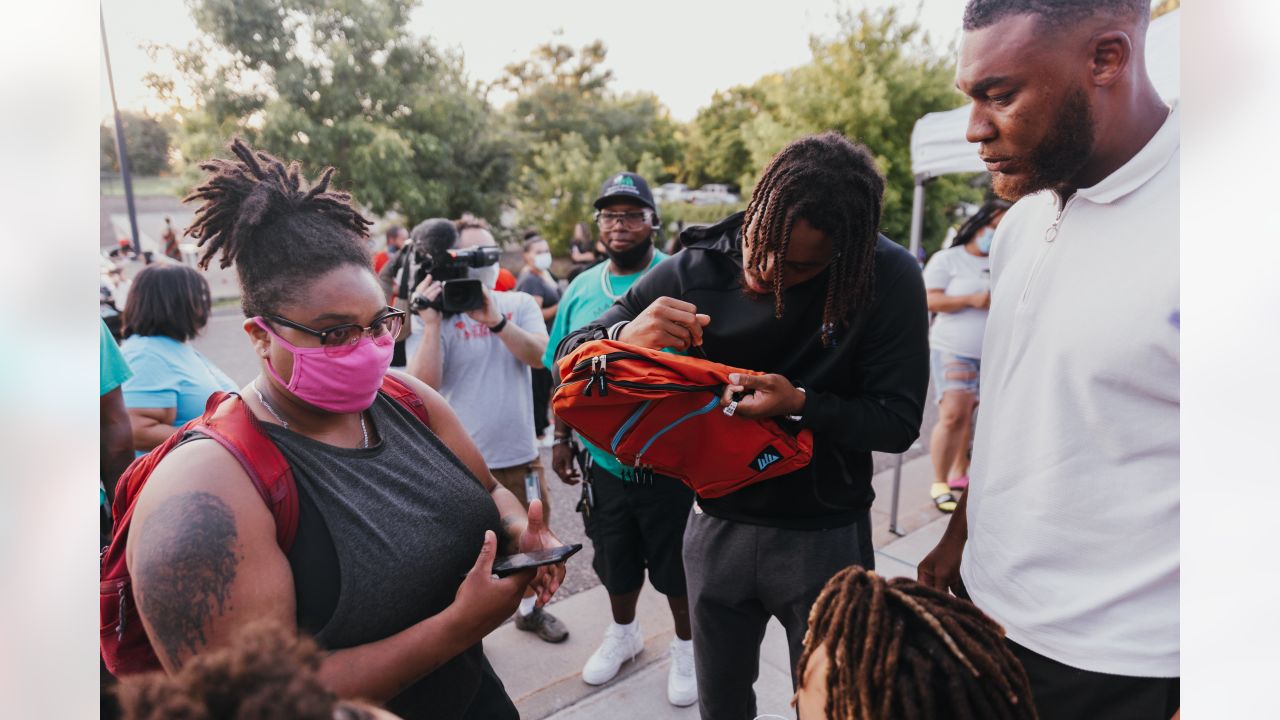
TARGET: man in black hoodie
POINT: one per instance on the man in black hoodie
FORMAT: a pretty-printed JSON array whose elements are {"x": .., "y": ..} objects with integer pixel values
[{"x": 801, "y": 286}]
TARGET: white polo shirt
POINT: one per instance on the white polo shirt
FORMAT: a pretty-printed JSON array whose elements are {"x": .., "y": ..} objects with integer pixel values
[{"x": 1073, "y": 505}]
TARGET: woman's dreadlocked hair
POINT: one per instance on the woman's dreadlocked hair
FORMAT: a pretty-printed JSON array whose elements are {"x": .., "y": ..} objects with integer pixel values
[
  {"x": 899, "y": 649},
  {"x": 835, "y": 186},
  {"x": 267, "y": 671},
  {"x": 280, "y": 234}
]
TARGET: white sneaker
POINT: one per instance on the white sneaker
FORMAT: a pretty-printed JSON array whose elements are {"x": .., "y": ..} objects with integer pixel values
[
  {"x": 682, "y": 683},
  {"x": 620, "y": 645}
]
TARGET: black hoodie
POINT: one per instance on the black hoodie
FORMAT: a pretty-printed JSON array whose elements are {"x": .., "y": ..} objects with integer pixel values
[{"x": 864, "y": 393}]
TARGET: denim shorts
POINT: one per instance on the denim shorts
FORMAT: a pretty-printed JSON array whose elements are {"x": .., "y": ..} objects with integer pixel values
[{"x": 952, "y": 372}]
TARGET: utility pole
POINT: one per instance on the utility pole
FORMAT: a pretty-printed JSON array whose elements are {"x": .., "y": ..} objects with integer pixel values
[{"x": 122, "y": 153}]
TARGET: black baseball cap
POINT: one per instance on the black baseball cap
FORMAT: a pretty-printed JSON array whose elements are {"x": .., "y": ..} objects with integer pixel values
[{"x": 626, "y": 186}]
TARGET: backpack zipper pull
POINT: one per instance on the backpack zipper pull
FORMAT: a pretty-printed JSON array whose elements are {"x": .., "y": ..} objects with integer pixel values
[
  {"x": 591, "y": 379},
  {"x": 604, "y": 379},
  {"x": 124, "y": 599}
]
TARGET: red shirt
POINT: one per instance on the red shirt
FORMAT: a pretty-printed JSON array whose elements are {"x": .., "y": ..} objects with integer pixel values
[
  {"x": 380, "y": 258},
  {"x": 506, "y": 281}
]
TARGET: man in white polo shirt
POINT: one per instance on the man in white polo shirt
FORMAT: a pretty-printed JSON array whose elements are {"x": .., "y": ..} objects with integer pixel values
[{"x": 1068, "y": 535}]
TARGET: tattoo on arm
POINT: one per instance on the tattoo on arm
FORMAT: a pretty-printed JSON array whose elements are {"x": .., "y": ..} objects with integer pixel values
[{"x": 186, "y": 562}]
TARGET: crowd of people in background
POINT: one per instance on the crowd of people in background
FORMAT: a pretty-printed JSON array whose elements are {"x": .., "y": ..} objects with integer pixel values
[{"x": 412, "y": 432}]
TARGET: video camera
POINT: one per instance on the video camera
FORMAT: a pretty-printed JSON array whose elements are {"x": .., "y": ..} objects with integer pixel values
[{"x": 460, "y": 293}]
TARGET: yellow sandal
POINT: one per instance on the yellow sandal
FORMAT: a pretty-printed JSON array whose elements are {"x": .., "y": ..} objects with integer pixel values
[{"x": 943, "y": 499}]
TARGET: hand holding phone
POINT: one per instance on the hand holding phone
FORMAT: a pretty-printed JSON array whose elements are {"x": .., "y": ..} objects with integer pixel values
[{"x": 504, "y": 566}]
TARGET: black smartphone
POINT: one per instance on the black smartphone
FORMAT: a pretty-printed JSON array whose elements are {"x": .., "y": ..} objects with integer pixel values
[{"x": 511, "y": 564}]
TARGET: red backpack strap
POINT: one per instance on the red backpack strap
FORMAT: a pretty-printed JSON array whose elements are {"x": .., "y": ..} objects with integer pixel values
[
  {"x": 406, "y": 396},
  {"x": 235, "y": 428}
]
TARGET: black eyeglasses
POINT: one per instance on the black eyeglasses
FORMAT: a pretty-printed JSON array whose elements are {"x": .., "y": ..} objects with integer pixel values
[{"x": 342, "y": 339}]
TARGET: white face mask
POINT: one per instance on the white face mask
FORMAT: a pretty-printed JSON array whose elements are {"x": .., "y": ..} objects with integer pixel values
[
  {"x": 542, "y": 261},
  {"x": 488, "y": 276}
]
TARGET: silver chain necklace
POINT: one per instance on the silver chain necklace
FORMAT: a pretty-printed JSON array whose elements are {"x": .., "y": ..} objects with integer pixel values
[
  {"x": 364, "y": 431},
  {"x": 606, "y": 285}
]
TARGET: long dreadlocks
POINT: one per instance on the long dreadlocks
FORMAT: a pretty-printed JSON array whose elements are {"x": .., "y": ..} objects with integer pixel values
[
  {"x": 899, "y": 649},
  {"x": 834, "y": 185},
  {"x": 279, "y": 234}
]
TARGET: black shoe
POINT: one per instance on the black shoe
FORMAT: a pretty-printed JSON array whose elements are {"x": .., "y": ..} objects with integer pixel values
[{"x": 544, "y": 624}]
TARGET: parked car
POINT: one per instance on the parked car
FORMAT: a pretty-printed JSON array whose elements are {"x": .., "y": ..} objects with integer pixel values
[
  {"x": 713, "y": 194},
  {"x": 672, "y": 192}
]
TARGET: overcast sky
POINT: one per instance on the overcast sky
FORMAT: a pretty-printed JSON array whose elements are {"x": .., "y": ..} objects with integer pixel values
[{"x": 682, "y": 50}]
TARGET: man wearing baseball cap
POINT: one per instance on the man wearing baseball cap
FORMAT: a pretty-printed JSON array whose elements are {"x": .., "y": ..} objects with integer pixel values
[{"x": 633, "y": 526}]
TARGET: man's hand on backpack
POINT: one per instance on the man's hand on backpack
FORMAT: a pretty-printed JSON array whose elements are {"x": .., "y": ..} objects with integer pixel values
[
  {"x": 667, "y": 323},
  {"x": 763, "y": 396}
]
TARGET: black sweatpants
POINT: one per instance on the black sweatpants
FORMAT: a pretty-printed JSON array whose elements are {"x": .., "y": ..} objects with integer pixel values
[
  {"x": 1062, "y": 692},
  {"x": 540, "y": 380},
  {"x": 739, "y": 576}
]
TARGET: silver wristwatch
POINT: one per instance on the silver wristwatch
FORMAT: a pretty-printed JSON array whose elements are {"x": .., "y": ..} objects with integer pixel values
[{"x": 796, "y": 418}]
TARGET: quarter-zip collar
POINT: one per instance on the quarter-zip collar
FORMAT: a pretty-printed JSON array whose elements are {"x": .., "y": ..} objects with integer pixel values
[{"x": 1141, "y": 167}]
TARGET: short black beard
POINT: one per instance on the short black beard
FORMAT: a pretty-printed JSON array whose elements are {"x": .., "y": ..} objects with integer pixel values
[
  {"x": 633, "y": 258},
  {"x": 1059, "y": 157}
]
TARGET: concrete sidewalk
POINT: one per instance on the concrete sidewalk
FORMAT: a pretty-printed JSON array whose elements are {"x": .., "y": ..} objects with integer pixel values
[{"x": 544, "y": 680}]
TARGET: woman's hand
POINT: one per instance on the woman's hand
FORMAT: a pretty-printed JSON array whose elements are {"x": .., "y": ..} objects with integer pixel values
[
  {"x": 483, "y": 601},
  {"x": 537, "y": 536}
]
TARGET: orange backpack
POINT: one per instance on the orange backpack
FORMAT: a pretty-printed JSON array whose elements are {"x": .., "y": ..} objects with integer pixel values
[{"x": 660, "y": 413}]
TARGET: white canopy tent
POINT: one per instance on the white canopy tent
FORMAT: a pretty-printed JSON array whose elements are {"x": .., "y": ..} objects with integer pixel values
[{"x": 938, "y": 146}]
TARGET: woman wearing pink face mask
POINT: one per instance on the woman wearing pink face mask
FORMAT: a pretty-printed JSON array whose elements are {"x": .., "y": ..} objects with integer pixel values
[{"x": 393, "y": 513}]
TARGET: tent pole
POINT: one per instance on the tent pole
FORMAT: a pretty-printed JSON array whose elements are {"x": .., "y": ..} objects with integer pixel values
[
  {"x": 917, "y": 229},
  {"x": 917, "y": 216}
]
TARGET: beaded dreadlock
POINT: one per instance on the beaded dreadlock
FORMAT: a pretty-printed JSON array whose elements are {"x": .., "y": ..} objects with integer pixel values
[
  {"x": 833, "y": 184},
  {"x": 899, "y": 649},
  {"x": 279, "y": 234}
]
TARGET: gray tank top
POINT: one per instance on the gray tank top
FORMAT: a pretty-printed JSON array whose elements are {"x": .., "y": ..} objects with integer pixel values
[{"x": 406, "y": 520}]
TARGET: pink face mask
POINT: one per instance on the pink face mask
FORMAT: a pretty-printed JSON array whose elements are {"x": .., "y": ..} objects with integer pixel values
[{"x": 339, "y": 383}]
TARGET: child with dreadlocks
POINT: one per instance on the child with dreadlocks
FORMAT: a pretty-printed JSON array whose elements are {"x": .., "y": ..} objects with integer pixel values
[
  {"x": 897, "y": 650},
  {"x": 398, "y": 519},
  {"x": 802, "y": 287}
]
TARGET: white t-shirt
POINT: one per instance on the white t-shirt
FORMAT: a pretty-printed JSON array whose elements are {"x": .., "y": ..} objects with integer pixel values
[
  {"x": 956, "y": 271},
  {"x": 487, "y": 386},
  {"x": 1073, "y": 506}
]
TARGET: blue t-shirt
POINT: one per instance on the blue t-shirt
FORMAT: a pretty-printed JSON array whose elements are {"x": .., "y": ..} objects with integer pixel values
[
  {"x": 586, "y": 299},
  {"x": 113, "y": 371},
  {"x": 170, "y": 374}
]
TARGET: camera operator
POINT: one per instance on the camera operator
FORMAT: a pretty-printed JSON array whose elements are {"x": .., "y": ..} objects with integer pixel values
[
  {"x": 476, "y": 346},
  {"x": 404, "y": 270}
]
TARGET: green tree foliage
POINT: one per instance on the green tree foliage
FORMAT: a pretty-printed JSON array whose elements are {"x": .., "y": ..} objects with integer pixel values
[
  {"x": 561, "y": 91},
  {"x": 341, "y": 82},
  {"x": 560, "y": 184},
  {"x": 716, "y": 149},
  {"x": 871, "y": 82},
  {"x": 578, "y": 132},
  {"x": 146, "y": 139}
]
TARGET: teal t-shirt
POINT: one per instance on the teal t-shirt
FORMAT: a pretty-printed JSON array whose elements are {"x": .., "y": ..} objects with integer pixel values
[
  {"x": 113, "y": 370},
  {"x": 170, "y": 374},
  {"x": 584, "y": 301}
]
